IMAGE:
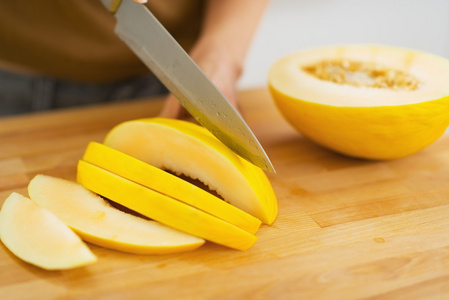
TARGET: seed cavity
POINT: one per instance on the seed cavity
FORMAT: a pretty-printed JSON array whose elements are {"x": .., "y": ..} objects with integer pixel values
[
  {"x": 196, "y": 182},
  {"x": 361, "y": 74}
]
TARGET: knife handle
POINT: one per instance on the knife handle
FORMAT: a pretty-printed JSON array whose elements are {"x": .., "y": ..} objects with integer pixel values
[{"x": 112, "y": 5}]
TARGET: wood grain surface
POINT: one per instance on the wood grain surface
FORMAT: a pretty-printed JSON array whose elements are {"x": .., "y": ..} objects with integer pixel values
[{"x": 347, "y": 228}]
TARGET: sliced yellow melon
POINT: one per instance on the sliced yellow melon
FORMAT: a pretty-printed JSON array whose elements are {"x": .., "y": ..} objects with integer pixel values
[
  {"x": 97, "y": 222},
  {"x": 38, "y": 237},
  {"x": 162, "y": 208},
  {"x": 186, "y": 148},
  {"x": 135, "y": 170},
  {"x": 367, "y": 101}
]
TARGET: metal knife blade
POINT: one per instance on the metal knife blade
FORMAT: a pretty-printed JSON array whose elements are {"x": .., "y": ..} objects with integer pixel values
[{"x": 152, "y": 43}]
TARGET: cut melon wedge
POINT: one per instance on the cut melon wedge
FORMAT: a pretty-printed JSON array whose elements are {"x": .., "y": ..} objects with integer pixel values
[
  {"x": 162, "y": 208},
  {"x": 142, "y": 173},
  {"x": 366, "y": 101},
  {"x": 97, "y": 222},
  {"x": 186, "y": 148},
  {"x": 38, "y": 237}
]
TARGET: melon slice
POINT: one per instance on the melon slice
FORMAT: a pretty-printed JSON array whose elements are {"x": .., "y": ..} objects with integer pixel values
[
  {"x": 186, "y": 148},
  {"x": 142, "y": 173},
  {"x": 97, "y": 222},
  {"x": 366, "y": 101},
  {"x": 162, "y": 208},
  {"x": 38, "y": 237}
]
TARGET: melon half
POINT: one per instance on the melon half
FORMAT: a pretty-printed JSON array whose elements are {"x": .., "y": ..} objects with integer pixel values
[{"x": 366, "y": 101}]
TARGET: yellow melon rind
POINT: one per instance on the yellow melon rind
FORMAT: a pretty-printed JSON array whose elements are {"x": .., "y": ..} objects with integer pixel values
[{"x": 379, "y": 133}]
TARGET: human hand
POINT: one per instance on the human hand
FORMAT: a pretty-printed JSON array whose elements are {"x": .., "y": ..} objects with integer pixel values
[
  {"x": 221, "y": 70},
  {"x": 222, "y": 45}
]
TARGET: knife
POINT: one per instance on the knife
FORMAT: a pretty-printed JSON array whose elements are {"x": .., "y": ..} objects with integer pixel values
[{"x": 160, "y": 52}]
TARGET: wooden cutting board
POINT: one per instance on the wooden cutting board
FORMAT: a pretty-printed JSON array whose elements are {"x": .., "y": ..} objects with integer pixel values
[{"x": 347, "y": 228}]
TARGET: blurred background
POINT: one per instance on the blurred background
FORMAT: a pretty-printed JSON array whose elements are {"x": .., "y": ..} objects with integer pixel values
[{"x": 291, "y": 25}]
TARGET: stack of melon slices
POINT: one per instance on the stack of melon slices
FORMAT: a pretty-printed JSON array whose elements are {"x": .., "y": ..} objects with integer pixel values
[{"x": 136, "y": 168}]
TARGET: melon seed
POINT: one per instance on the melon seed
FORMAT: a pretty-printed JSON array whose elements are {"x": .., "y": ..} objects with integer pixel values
[{"x": 362, "y": 74}]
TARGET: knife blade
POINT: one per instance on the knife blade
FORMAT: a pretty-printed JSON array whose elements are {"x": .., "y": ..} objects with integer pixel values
[{"x": 160, "y": 52}]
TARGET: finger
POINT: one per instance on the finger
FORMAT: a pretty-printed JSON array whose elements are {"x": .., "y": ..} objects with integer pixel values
[{"x": 172, "y": 109}]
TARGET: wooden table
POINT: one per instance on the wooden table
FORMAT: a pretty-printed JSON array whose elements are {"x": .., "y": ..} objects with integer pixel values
[{"x": 347, "y": 228}]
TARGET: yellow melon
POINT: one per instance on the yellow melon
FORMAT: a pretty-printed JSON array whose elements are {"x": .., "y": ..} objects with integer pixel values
[
  {"x": 367, "y": 101},
  {"x": 162, "y": 208},
  {"x": 165, "y": 183},
  {"x": 187, "y": 149},
  {"x": 97, "y": 222},
  {"x": 38, "y": 237}
]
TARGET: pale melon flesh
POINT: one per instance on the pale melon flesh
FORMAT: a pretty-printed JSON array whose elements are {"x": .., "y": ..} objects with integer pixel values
[
  {"x": 38, "y": 237},
  {"x": 97, "y": 222}
]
